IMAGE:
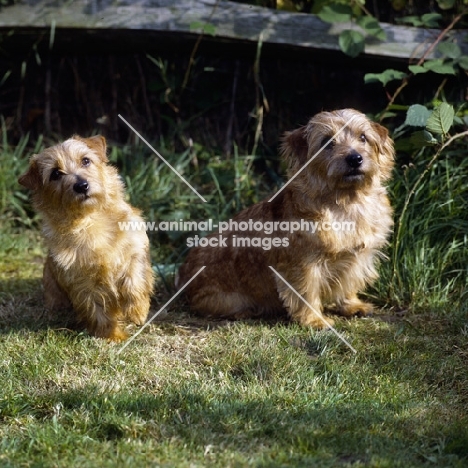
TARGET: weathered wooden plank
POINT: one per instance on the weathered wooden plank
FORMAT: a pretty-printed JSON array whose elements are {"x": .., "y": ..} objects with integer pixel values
[{"x": 231, "y": 21}]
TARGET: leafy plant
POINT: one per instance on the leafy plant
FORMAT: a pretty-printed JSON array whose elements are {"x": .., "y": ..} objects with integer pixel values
[
  {"x": 428, "y": 20},
  {"x": 364, "y": 19},
  {"x": 433, "y": 197},
  {"x": 429, "y": 250},
  {"x": 352, "y": 40}
]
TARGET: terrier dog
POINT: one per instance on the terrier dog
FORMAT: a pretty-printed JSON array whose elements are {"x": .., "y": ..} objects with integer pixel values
[
  {"x": 103, "y": 272},
  {"x": 338, "y": 164}
]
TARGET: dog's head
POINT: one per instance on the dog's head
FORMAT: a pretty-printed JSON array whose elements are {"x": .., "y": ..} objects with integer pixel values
[
  {"x": 339, "y": 151},
  {"x": 70, "y": 176}
]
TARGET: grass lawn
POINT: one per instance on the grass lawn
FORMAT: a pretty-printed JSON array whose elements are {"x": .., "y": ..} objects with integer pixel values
[
  {"x": 190, "y": 393},
  {"x": 193, "y": 393}
]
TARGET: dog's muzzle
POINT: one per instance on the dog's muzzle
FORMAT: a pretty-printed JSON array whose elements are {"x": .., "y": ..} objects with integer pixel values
[
  {"x": 81, "y": 186},
  {"x": 354, "y": 161}
]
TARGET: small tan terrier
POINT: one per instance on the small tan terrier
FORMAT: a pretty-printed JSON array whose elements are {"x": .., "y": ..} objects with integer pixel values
[
  {"x": 338, "y": 164},
  {"x": 103, "y": 272}
]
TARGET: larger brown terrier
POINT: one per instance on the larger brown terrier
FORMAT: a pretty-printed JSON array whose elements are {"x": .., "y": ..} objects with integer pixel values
[
  {"x": 350, "y": 160},
  {"x": 93, "y": 265}
]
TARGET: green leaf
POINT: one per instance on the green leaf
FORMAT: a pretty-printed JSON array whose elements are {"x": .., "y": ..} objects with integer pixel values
[
  {"x": 449, "y": 49},
  {"x": 446, "y": 4},
  {"x": 416, "y": 69},
  {"x": 196, "y": 25},
  {"x": 413, "y": 20},
  {"x": 384, "y": 77},
  {"x": 206, "y": 28},
  {"x": 351, "y": 42},
  {"x": 431, "y": 20},
  {"x": 372, "y": 27},
  {"x": 463, "y": 62},
  {"x": 403, "y": 144},
  {"x": 209, "y": 29},
  {"x": 422, "y": 138},
  {"x": 335, "y": 13},
  {"x": 439, "y": 66},
  {"x": 417, "y": 115},
  {"x": 441, "y": 119},
  {"x": 416, "y": 140}
]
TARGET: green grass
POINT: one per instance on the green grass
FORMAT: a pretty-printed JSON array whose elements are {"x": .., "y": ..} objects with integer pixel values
[
  {"x": 189, "y": 392},
  {"x": 227, "y": 185},
  {"x": 430, "y": 266}
]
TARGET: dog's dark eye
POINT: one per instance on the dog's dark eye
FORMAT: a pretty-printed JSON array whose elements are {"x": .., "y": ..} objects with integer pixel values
[
  {"x": 363, "y": 138},
  {"x": 55, "y": 174},
  {"x": 85, "y": 162},
  {"x": 326, "y": 143}
]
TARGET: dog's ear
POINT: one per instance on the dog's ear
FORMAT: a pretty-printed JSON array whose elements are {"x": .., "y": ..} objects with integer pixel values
[
  {"x": 31, "y": 179},
  {"x": 294, "y": 147},
  {"x": 97, "y": 144},
  {"x": 386, "y": 150}
]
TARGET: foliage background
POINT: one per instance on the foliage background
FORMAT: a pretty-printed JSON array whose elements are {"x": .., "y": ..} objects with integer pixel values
[
  {"x": 188, "y": 392},
  {"x": 218, "y": 120}
]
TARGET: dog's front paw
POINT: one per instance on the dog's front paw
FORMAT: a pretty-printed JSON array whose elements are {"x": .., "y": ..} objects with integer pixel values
[
  {"x": 139, "y": 321},
  {"x": 319, "y": 323},
  {"x": 314, "y": 319},
  {"x": 355, "y": 308},
  {"x": 117, "y": 335},
  {"x": 137, "y": 311},
  {"x": 106, "y": 327}
]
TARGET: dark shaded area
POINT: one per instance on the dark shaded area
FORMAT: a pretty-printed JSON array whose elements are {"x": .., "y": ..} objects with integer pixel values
[
  {"x": 22, "y": 308},
  {"x": 188, "y": 417},
  {"x": 178, "y": 87}
]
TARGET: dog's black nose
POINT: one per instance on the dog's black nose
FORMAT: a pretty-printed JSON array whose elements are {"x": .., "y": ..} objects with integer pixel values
[
  {"x": 354, "y": 159},
  {"x": 81, "y": 186}
]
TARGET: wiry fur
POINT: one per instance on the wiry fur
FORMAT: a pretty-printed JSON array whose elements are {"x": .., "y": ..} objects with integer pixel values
[
  {"x": 103, "y": 272},
  {"x": 328, "y": 268}
]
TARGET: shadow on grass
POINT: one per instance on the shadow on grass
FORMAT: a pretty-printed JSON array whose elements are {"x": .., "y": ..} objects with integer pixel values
[
  {"x": 350, "y": 432},
  {"x": 22, "y": 307},
  {"x": 180, "y": 315}
]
